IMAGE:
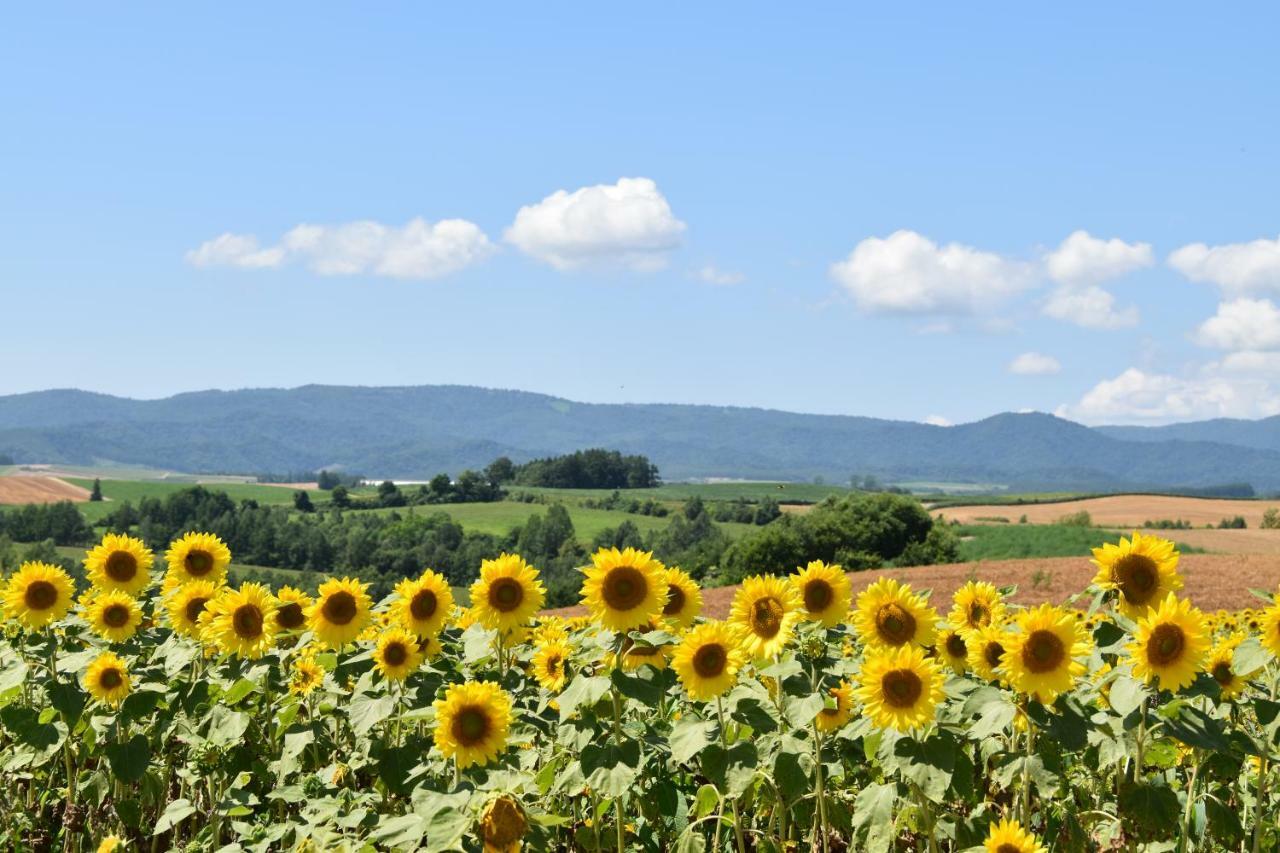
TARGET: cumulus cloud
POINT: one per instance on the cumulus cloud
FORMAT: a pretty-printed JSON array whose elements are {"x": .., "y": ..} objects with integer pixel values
[
  {"x": 1242, "y": 324},
  {"x": 1237, "y": 268},
  {"x": 712, "y": 274},
  {"x": 1082, "y": 259},
  {"x": 1089, "y": 306},
  {"x": 416, "y": 250},
  {"x": 909, "y": 273},
  {"x": 627, "y": 224},
  {"x": 1137, "y": 396},
  {"x": 1034, "y": 364}
]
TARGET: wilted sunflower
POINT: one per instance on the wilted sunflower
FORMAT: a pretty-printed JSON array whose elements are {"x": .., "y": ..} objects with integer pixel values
[
  {"x": 684, "y": 599},
  {"x": 1042, "y": 657},
  {"x": 340, "y": 612},
  {"x": 472, "y": 721},
  {"x": 107, "y": 679},
  {"x": 899, "y": 687},
  {"x": 396, "y": 655},
  {"x": 423, "y": 604},
  {"x": 240, "y": 621},
  {"x": 1143, "y": 570},
  {"x": 185, "y": 604},
  {"x": 953, "y": 650},
  {"x": 976, "y": 605},
  {"x": 1269, "y": 629},
  {"x": 503, "y": 825},
  {"x": 834, "y": 716},
  {"x": 707, "y": 659},
  {"x": 305, "y": 675},
  {"x": 291, "y": 608},
  {"x": 1170, "y": 644},
  {"x": 37, "y": 594},
  {"x": 507, "y": 594},
  {"x": 987, "y": 649},
  {"x": 113, "y": 615},
  {"x": 1222, "y": 666},
  {"x": 824, "y": 592},
  {"x": 889, "y": 615},
  {"x": 765, "y": 609},
  {"x": 119, "y": 562},
  {"x": 549, "y": 665},
  {"x": 1008, "y": 836},
  {"x": 624, "y": 589},
  {"x": 196, "y": 557}
]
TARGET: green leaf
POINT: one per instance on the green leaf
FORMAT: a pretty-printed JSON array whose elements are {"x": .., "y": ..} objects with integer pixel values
[
  {"x": 689, "y": 736},
  {"x": 611, "y": 768},
  {"x": 175, "y": 813},
  {"x": 582, "y": 690},
  {"x": 929, "y": 763},
  {"x": 1127, "y": 695},
  {"x": 800, "y": 712},
  {"x": 993, "y": 718},
  {"x": 238, "y": 691},
  {"x": 1196, "y": 728},
  {"x": 1148, "y": 806},
  {"x": 226, "y": 727},
  {"x": 68, "y": 699},
  {"x": 1249, "y": 657},
  {"x": 403, "y": 832},
  {"x": 873, "y": 809},
  {"x": 295, "y": 743},
  {"x": 129, "y": 760},
  {"x": 365, "y": 711},
  {"x": 394, "y": 766},
  {"x": 706, "y": 801},
  {"x": 791, "y": 776}
]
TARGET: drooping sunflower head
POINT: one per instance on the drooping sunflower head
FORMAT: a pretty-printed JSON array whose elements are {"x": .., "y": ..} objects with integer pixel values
[
  {"x": 976, "y": 605},
  {"x": 899, "y": 687},
  {"x": 707, "y": 659},
  {"x": 423, "y": 604},
  {"x": 472, "y": 721},
  {"x": 766, "y": 610},
  {"x": 305, "y": 675},
  {"x": 113, "y": 615},
  {"x": 1042, "y": 656},
  {"x": 890, "y": 615},
  {"x": 624, "y": 589},
  {"x": 1143, "y": 570},
  {"x": 396, "y": 655},
  {"x": 185, "y": 603},
  {"x": 1008, "y": 836},
  {"x": 503, "y": 825},
  {"x": 107, "y": 679},
  {"x": 196, "y": 557},
  {"x": 37, "y": 594},
  {"x": 340, "y": 612},
  {"x": 1170, "y": 644},
  {"x": 824, "y": 592},
  {"x": 550, "y": 665},
  {"x": 291, "y": 609},
  {"x": 987, "y": 649},
  {"x": 684, "y": 599},
  {"x": 240, "y": 621},
  {"x": 838, "y": 710},
  {"x": 953, "y": 650},
  {"x": 119, "y": 562},
  {"x": 507, "y": 594}
]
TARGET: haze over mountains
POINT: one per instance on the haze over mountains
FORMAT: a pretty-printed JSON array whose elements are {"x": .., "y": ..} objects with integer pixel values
[{"x": 416, "y": 432}]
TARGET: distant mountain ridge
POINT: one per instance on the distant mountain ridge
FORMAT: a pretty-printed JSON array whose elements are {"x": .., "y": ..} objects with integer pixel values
[{"x": 413, "y": 432}]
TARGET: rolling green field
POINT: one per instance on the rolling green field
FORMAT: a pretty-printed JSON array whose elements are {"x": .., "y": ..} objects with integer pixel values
[
  {"x": 117, "y": 492},
  {"x": 752, "y": 491},
  {"x": 1022, "y": 541}
]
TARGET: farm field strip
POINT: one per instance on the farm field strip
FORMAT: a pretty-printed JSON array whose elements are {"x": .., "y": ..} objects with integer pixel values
[{"x": 1117, "y": 510}]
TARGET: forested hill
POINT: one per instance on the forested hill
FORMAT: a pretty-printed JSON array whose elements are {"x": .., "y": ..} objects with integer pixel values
[{"x": 412, "y": 432}]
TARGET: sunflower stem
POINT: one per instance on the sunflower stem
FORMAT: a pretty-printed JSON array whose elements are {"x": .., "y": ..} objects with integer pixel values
[
  {"x": 1026, "y": 765},
  {"x": 820, "y": 824},
  {"x": 724, "y": 742},
  {"x": 619, "y": 808},
  {"x": 1191, "y": 800}
]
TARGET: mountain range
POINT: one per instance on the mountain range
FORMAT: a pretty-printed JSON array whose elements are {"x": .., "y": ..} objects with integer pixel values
[{"x": 416, "y": 432}]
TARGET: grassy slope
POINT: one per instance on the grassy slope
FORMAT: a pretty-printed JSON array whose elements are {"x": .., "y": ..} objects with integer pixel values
[
  {"x": 1021, "y": 541},
  {"x": 117, "y": 492}
]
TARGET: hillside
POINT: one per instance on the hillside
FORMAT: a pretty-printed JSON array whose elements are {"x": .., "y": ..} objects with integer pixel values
[
  {"x": 1261, "y": 434},
  {"x": 413, "y": 432}
]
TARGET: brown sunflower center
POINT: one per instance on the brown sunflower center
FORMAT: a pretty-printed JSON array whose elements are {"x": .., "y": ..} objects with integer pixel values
[
  {"x": 395, "y": 654},
  {"x": 1222, "y": 673},
  {"x": 710, "y": 660},
  {"x": 470, "y": 725},
  {"x": 643, "y": 651},
  {"x": 423, "y": 604},
  {"x": 194, "y": 608},
  {"x": 504, "y": 824},
  {"x": 624, "y": 588},
  {"x": 978, "y": 614},
  {"x": 993, "y": 653},
  {"x": 766, "y": 617},
  {"x": 675, "y": 600},
  {"x": 197, "y": 562},
  {"x": 339, "y": 608},
  {"x": 289, "y": 615},
  {"x": 1043, "y": 651},
  {"x": 895, "y": 625},
  {"x": 40, "y": 595},
  {"x": 115, "y": 615},
  {"x": 818, "y": 595},
  {"x": 1137, "y": 576},
  {"x": 1009, "y": 848},
  {"x": 1166, "y": 644},
  {"x": 505, "y": 594},
  {"x": 956, "y": 647},
  {"x": 111, "y": 678},
  {"x": 247, "y": 621},
  {"x": 901, "y": 688},
  {"x": 121, "y": 566},
  {"x": 553, "y": 665}
]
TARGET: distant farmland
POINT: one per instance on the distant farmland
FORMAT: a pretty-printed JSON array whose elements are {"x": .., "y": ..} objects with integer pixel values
[{"x": 1115, "y": 510}]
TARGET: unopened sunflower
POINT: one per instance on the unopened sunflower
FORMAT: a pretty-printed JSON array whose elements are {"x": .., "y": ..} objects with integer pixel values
[
  {"x": 423, "y": 604},
  {"x": 707, "y": 659},
  {"x": 890, "y": 615},
  {"x": 340, "y": 612},
  {"x": 899, "y": 688},
  {"x": 37, "y": 594},
  {"x": 824, "y": 593},
  {"x": 766, "y": 610},
  {"x": 684, "y": 599},
  {"x": 472, "y": 722},
  {"x": 196, "y": 557},
  {"x": 1170, "y": 645},
  {"x": 107, "y": 679},
  {"x": 507, "y": 594},
  {"x": 119, "y": 562},
  {"x": 1143, "y": 570},
  {"x": 1042, "y": 657},
  {"x": 624, "y": 589}
]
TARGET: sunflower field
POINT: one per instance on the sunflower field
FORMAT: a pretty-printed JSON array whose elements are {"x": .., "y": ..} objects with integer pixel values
[{"x": 161, "y": 708}]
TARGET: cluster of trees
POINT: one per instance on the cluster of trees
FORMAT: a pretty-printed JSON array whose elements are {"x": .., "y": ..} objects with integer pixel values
[
  {"x": 615, "y": 501},
  {"x": 583, "y": 469},
  {"x": 59, "y": 522},
  {"x": 744, "y": 511},
  {"x": 324, "y": 479}
]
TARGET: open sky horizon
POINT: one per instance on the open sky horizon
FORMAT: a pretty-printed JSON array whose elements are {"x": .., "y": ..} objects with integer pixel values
[{"x": 927, "y": 213}]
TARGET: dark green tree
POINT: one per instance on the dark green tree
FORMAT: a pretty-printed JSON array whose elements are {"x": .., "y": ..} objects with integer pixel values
[{"x": 96, "y": 494}]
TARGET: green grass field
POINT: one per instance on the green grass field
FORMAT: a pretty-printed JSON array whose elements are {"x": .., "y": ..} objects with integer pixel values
[
  {"x": 675, "y": 492},
  {"x": 1023, "y": 541},
  {"x": 117, "y": 492}
]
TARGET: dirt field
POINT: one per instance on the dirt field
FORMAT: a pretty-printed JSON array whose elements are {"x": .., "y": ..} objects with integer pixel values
[
  {"x": 1118, "y": 510},
  {"x": 1212, "y": 580},
  {"x": 39, "y": 490}
]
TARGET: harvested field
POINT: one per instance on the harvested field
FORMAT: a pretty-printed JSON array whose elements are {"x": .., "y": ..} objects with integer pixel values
[
  {"x": 1227, "y": 541},
  {"x": 1117, "y": 510},
  {"x": 39, "y": 490}
]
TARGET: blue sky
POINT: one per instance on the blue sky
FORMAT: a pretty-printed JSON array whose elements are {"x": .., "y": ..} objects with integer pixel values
[{"x": 826, "y": 209}]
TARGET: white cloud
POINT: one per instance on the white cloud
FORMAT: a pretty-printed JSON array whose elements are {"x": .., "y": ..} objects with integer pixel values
[
  {"x": 908, "y": 273},
  {"x": 938, "y": 420},
  {"x": 1034, "y": 364},
  {"x": 1250, "y": 363},
  {"x": 712, "y": 274},
  {"x": 1242, "y": 324},
  {"x": 1090, "y": 306},
  {"x": 1136, "y": 396},
  {"x": 416, "y": 250},
  {"x": 1237, "y": 268},
  {"x": 628, "y": 224},
  {"x": 1083, "y": 260}
]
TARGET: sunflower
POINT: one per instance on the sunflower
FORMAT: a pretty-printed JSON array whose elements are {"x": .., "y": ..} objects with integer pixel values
[
  {"x": 430, "y": 647},
  {"x": 240, "y": 621},
  {"x": 111, "y": 844},
  {"x": 987, "y": 649},
  {"x": 834, "y": 716},
  {"x": 185, "y": 604},
  {"x": 396, "y": 655},
  {"x": 305, "y": 675},
  {"x": 423, "y": 605},
  {"x": 636, "y": 655},
  {"x": 1042, "y": 656},
  {"x": 551, "y": 629},
  {"x": 1170, "y": 644},
  {"x": 340, "y": 613},
  {"x": 113, "y": 615},
  {"x": 119, "y": 562},
  {"x": 1269, "y": 629},
  {"x": 890, "y": 615},
  {"x": 472, "y": 721},
  {"x": 707, "y": 659},
  {"x": 196, "y": 557},
  {"x": 549, "y": 665},
  {"x": 824, "y": 592},
  {"x": 899, "y": 688},
  {"x": 1008, "y": 836},
  {"x": 291, "y": 608},
  {"x": 684, "y": 599},
  {"x": 624, "y": 589},
  {"x": 1222, "y": 666},
  {"x": 976, "y": 605},
  {"x": 766, "y": 609},
  {"x": 37, "y": 594},
  {"x": 1143, "y": 570},
  {"x": 953, "y": 650},
  {"x": 107, "y": 679},
  {"x": 503, "y": 825},
  {"x": 507, "y": 593}
]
